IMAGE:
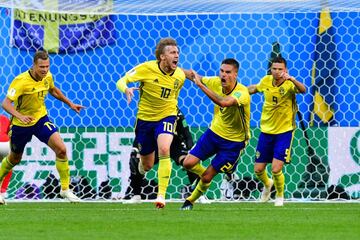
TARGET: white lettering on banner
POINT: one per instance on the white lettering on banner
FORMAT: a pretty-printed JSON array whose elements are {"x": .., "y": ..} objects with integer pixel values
[
  {"x": 89, "y": 155},
  {"x": 342, "y": 161},
  {"x": 38, "y": 157},
  {"x": 122, "y": 171},
  {"x": 41, "y": 152}
]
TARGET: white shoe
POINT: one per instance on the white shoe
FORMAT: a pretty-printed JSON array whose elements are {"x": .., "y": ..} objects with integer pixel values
[
  {"x": 266, "y": 192},
  {"x": 141, "y": 168},
  {"x": 204, "y": 200},
  {"x": 160, "y": 202},
  {"x": 69, "y": 195},
  {"x": 2, "y": 200},
  {"x": 133, "y": 200},
  {"x": 279, "y": 202}
]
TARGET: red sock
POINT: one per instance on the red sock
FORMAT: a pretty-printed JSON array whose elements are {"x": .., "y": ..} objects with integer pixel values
[{"x": 6, "y": 182}]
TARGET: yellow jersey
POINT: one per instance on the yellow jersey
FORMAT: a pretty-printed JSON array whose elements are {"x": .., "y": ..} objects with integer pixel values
[
  {"x": 279, "y": 109},
  {"x": 29, "y": 95},
  {"x": 159, "y": 91},
  {"x": 231, "y": 123}
]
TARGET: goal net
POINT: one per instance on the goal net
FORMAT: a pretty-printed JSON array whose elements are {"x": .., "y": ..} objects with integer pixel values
[{"x": 95, "y": 42}]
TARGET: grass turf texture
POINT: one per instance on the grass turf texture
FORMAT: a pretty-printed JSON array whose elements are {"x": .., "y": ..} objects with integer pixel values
[{"x": 214, "y": 221}]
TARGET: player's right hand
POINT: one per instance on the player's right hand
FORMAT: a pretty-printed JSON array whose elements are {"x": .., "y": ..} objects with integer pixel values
[
  {"x": 26, "y": 119},
  {"x": 130, "y": 93}
]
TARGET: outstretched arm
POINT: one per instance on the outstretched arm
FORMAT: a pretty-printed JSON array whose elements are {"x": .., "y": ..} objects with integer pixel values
[
  {"x": 56, "y": 93},
  {"x": 221, "y": 101},
  {"x": 122, "y": 86},
  {"x": 189, "y": 74}
]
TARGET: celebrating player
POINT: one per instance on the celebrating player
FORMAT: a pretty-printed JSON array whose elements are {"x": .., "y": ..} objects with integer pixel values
[
  {"x": 229, "y": 130},
  {"x": 277, "y": 126},
  {"x": 161, "y": 81},
  {"x": 25, "y": 102},
  {"x": 180, "y": 146}
]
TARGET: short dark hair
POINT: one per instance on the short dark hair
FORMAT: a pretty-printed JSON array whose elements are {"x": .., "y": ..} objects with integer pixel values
[
  {"x": 164, "y": 42},
  {"x": 279, "y": 59},
  {"x": 231, "y": 61},
  {"x": 41, "y": 55}
]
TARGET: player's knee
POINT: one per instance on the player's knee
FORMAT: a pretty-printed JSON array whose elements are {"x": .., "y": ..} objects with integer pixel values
[
  {"x": 61, "y": 152},
  {"x": 206, "y": 178},
  {"x": 187, "y": 164},
  {"x": 147, "y": 167},
  {"x": 258, "y": 169},
  {"x": 14, "y": 158},
  {"x": 164, "y": 150},
  {"x": 276, "y": 169}
]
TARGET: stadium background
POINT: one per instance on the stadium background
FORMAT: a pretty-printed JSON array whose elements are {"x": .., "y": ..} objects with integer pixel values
[{"x": 101, "y": 136}]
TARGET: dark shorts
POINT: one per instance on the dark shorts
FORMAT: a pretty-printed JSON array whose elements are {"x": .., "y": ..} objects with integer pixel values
[
  {"x": 274, "y": 146},
  {"x": 227, "y": 152},
  {"x": 20, "y": 136},
  {"x": 147, "y": 133}
]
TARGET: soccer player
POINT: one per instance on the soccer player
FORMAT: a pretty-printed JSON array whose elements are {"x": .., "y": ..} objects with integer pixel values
[
  {"x": 25, "y": 103},
  {"x": 277, "y": 126},
  {"x": 229, "y": 130},
  {"x": 160, "y": 84},
  {"x": 4, "y": 150},
  {"x": 180, "y": 146}
]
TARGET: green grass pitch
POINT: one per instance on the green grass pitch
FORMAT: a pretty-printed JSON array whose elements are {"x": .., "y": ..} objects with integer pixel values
[{"x": 244, "y": 220}]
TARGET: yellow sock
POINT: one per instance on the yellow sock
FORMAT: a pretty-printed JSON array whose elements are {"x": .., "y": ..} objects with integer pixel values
[
  {"x": 5, "y": 168},
  {"x": 263, "y": 177},
  {"x": 199, "y": 190},
  {"x": 164, "y": 172},
  {"x": 279, "y": 183},
  {"x": 198, "y": 169},
  {"x": 62, "y": 166}
]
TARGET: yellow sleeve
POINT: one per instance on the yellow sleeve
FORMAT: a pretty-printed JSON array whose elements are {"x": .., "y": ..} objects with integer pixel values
[
  {"x": 52, "y": 82},
  {"x": 15, "y": 89},
  {"x": 260, "y": 85},
  {"x": 242, "y": 97},
  {"x": 122, "y": 84},
  {"x": 210, "y": 82}
]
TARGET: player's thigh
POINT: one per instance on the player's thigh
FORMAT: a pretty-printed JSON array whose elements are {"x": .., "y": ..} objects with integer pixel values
[
  {"x": 206, "y": 146},
  {"x": 228, "y": 155},
  {"x": 145, "y": 136},
  {"x": 164, "y": 133},
  {"x": 265, "y": 148},
  {"x": 19, "y": 137},
  {"x": 44, "y": 129},
  {"x": 56, "y": 143},
  {"x": 282, "y": 146},
  {"x": 164, "y": 142}
]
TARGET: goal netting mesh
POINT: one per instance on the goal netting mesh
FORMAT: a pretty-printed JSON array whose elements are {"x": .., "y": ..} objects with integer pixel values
[{"x": 94, "y": 42}]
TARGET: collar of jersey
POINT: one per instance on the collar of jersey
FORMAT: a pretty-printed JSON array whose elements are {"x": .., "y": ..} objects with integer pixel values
[{"x": 165, "y": 72}]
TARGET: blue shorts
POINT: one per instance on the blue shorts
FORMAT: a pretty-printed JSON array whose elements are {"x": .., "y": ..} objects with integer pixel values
[
  {"x": 147, "y": 133},
  {"x": 227, "y": 152},
  {"x": 274, "y": 146},
  {"x": 20, "y": 136}
]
